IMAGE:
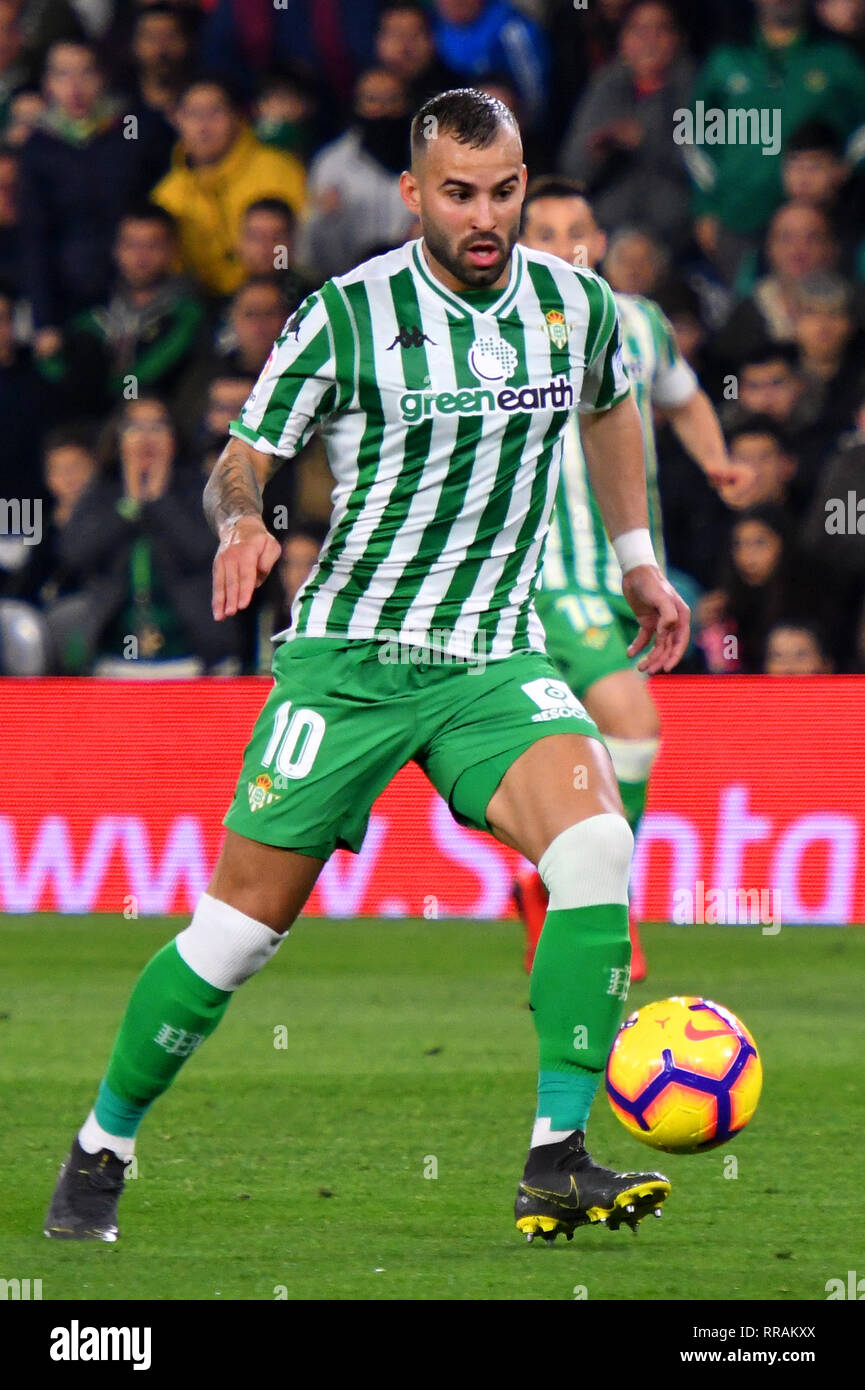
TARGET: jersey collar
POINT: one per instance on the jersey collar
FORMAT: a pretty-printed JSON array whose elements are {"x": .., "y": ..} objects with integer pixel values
[{"x": 504, "y": 300}]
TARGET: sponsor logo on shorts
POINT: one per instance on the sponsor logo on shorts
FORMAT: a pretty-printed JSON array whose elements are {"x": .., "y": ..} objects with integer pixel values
[
  {"x": 555, "y": 700},
  {"x": 260, "y": 793}
]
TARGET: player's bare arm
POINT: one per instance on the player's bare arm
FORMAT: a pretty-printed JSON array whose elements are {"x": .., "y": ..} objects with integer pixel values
[
  {"x": 613, "y": 447},
  {"x": 247, "y": 551},
  {"x": 699, "y": 432}
]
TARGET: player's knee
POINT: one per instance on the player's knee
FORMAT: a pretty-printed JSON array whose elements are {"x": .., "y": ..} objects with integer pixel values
[
  {"x": 633, "y": 757},
  {"x": 224, "y": 946},
  {"x": 589, "y": 863}
]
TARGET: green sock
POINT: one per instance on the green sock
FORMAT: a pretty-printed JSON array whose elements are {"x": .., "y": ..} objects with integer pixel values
[
  {"x": 578, "y": 984},
  {"x": 171, "y": 1011},
  {"x": 633, "y": 796}
]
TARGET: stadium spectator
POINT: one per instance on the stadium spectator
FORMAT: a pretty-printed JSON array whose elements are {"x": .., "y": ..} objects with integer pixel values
[
  {"x": 478, "y": 37},
  {"x": 760, "y": 582},
  {"x": 618, "y": 141},
  {"x": 835, "y": 524},
  {"x": 79, "y": 171},
  {"x": 761, "y": 444},
  {"x": 788, "y": 66},
  {"x": 799, "y": 241},
  {"x": 69, "y": 467},
  {"x": 255, "y": 318},
  {"x": 266, "y": 245},
  {"x": 845, "y": 19},
  {"x": 141, "y": 552},
  {"x": 831, "y": 346},
  {"x": 816, "y": 171},
  {"x": 636, "y": 261},
  {"x": 24, "y": 114},
  {"x": 300, "y": 548},
  {"x": 10, "y": 222},
  {"x": 287, "y": 114},
  {"x": 218, "y": 169},
  {"x": 242, "y": 39},
  {"x": 28, "y": 408},
  {"x": 354, "y": 181},
  {"x": 795, "y": 649},
  {"x": 405, "y": 45},
  {"x": 15, "y": 72},
  {"x": 144, "y": 335},
  {"x": 160, "y": 55}
]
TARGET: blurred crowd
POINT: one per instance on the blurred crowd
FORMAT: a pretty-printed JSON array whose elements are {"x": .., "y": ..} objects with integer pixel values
[{"x": 177, "y": 176}]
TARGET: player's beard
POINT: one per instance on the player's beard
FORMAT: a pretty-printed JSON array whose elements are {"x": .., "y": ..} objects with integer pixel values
[{"x": 455, "y": 259}]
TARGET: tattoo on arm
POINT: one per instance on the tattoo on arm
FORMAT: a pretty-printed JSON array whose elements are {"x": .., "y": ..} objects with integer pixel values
[{"x": 232, "y": 489}]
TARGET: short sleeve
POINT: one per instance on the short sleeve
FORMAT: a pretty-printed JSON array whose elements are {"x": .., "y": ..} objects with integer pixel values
[
  {"x": 674, "y": 381},
  {"x": 297, "y": 388},
  {"x": 605, "y": 380}
]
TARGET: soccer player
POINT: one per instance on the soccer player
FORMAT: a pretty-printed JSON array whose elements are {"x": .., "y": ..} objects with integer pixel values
[
  {"x": 442, "y": 394},
  {"x": 583, "y": 603}
]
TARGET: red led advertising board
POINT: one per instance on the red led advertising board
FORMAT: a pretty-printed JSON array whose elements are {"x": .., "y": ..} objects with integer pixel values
[{"x": 113, "y": 795}]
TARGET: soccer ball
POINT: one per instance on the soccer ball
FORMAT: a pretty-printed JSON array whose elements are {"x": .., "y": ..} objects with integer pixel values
[{"x": 684, "y": 1075}]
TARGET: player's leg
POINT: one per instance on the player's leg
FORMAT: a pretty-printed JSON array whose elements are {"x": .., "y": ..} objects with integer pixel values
[
  {"x": 559, "y": 805},
  {"x": 318, "y": 756},
  {"x": 179, "y": 999},
  {"x": 623, "y": 709}
]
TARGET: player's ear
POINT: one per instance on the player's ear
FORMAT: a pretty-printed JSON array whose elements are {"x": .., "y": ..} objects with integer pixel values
[{"x": 410, "y": 191}]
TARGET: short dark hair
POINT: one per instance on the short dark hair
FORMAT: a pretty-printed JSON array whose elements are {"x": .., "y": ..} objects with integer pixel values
[
  {"x": 76, "y": 435},
  {"x": 815, "y": 136},
  {"x": 229, "y": 90},
  {"x": 151, "y": 212},
  {"x": 768, "y": 352},
  {"x": 416, "y": 7},
  {"x": 473, "y": 118},
  {"x": 550, "y": 186},
  {"x": 276, "y": 207},
  {"x": 760, "y": 424}
]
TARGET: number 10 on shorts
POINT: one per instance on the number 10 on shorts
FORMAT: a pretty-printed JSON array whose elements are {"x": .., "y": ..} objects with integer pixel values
[{"x": 295, "y": 741}]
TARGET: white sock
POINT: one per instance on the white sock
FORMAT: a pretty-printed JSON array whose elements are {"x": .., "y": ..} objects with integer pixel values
[
  {"x": 223, "y": 945},
  {"x": 542, "y": 1134},
  {"x": 92, "y": 1137},
  {"x": 632, "y": 757}
]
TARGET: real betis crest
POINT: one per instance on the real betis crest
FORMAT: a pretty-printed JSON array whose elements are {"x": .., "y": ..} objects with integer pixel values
[
  {"x": 260, "y": 793},
  {"x": 556, "y": 329}
]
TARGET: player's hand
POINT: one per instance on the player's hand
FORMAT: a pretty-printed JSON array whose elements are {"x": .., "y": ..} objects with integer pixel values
[
  {"x": 661, "y": 613},
  {"x": 246, "y": 555}
]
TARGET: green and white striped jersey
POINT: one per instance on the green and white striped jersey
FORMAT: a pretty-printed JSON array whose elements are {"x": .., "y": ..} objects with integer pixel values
[
  {"x": 443, "y": 417},
  {"x": 579, "y": 553}
]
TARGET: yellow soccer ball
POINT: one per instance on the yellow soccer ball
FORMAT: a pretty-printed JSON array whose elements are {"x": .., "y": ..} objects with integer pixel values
[{"x": 684, "y": 1074}]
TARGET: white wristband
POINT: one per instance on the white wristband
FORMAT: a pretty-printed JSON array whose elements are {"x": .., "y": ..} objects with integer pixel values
[{"x": 634, "y": 548}]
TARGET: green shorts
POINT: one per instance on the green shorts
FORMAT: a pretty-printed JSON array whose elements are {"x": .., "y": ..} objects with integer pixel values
[
  {"x": 587, "y": 634},
  {"x": 345, "y": 715}
]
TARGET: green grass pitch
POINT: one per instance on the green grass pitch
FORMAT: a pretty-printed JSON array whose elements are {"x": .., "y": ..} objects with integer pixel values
[{"x": 375, "y": 1155}]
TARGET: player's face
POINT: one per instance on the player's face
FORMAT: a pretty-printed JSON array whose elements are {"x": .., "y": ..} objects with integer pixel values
[
  {"x": 565, "y": 227},
  {"x": 468, "y": 201}
]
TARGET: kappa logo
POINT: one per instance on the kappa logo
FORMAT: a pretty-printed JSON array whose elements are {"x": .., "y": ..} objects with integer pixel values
[
  {"x": 410, "y": 338},
  {"x": 492, "y": 359}
]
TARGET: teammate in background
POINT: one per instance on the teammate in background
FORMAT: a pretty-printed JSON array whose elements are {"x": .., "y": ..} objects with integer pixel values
[
  {"x": 587, "y": 619},
  {"x": 442, "y": 400}
]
